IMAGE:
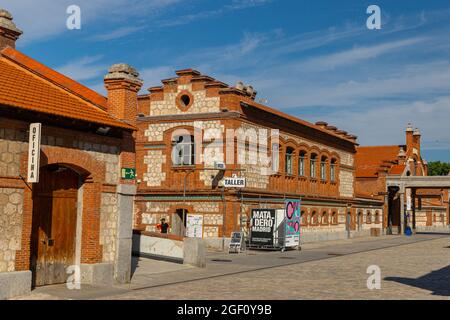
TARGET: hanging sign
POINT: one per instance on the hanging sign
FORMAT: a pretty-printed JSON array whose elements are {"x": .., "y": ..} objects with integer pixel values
[
  {"x": 194, "y": 226},
  {"x": 34, "y": 152},
  {"x": 263, "y": 222},
  {"x": 292, "y": 215}
]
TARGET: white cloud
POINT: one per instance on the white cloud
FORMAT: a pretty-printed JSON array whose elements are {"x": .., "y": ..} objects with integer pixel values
[
  {"x": 115, "y": 34},
  {"x": 45, "y": 18},
  {"x": 235, "y": 5},
  {"x": 84, "y": 69},
  {"x": 386, "y": 123},
  {"x": 356, "y": 55}
]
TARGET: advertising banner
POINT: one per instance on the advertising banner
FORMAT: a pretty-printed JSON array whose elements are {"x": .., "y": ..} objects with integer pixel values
[
  {"x": 262, "y": 230},
  {"x": 292, "y": 215}
]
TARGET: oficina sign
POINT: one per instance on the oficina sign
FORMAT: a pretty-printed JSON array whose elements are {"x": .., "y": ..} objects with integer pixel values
[{"x": 34, "y": 152}]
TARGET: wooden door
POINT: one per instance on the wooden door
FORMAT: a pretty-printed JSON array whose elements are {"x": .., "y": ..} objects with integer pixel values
[{"x": 54, "y": 224}]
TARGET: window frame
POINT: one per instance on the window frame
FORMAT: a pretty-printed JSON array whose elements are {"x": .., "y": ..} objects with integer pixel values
[{"x": 182, "y": 154}]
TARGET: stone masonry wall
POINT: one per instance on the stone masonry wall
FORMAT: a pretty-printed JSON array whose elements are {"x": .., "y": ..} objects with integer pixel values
[
  {"x": 108, "y": 225},
  {"x": 346, "y": 188},
  {"x": 153, "y": 212},
  {"x": 201, "y": 103},
  {"x": 11, "y": 209}
]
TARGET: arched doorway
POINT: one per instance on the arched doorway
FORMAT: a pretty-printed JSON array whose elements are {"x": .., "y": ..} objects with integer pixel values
[
  {"x": 348, "y": 223},
  {"x": 360, "y": 221},
  {"x": 54, "y": 224}
]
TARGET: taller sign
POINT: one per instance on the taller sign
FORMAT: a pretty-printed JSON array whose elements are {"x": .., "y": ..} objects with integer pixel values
[{"x": 34, "y": 152}]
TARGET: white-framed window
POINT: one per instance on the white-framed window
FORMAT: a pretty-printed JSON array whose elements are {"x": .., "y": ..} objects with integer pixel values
[
  {"x": 289, "y": 161},
  {"x": 301, "y": 164},
  {"x": 313, "y": 166},
  {"x": 323, "y": 168},
  {"x": 183, "y": 152},
  {"x": 333, "y": 170},
  {"x": 275, "y": 157}
]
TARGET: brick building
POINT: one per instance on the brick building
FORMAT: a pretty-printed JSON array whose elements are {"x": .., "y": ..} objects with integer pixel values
[
  {"x": 191, "y": 123},
  {"x": 377, "y": 165},
  {"x": 80, "y": 212}
]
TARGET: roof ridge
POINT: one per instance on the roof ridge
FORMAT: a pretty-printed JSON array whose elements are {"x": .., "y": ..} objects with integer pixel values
[
  {"x": 384, "y": 146},
  {"x": 55, "y": 77},
  {"x": 296, "y": 119}
]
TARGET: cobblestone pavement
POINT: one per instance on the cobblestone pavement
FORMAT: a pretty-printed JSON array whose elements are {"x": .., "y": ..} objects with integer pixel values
[
  {"x": 412, "y": 268},
  {"x": 414, "y": 271}
]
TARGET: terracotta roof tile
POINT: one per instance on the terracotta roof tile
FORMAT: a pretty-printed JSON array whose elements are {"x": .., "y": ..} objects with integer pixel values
[
  {"x": 369, "y": 160},
  {"x": 54, "y": 76},
  {"x": 26, "y": 88},
  {"x": 397, "y": 169}
]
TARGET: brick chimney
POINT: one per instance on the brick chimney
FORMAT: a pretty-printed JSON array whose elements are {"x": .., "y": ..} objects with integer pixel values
[
  {"x": 123, "y": 84},
  {"x": 409, "y": 139},
  {"x": 9, "y": 33},
  {"x": 416, "y": 139}
]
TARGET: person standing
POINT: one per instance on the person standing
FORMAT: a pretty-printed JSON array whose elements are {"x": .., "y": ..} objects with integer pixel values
[{"x": 163, "y": 226}]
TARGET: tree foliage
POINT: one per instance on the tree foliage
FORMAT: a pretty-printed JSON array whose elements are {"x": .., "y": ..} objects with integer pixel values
[{"x": 438, "y": 168}]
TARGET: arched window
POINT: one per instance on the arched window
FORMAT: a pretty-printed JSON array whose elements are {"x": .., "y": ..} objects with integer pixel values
[
  {"x": 377, "y": 217},
  {"x": 183, "y": 152},
  {"x": 303, "y": 218},
  {"x": 301, "y": 163},
  {"x": 323, "y": 168},
  {"x": 333, "y": 170},
  {"x": 275, "y": 157},
  {"x": 369, "y": 217},
  {"x": 325, "y": 217},
  {"x": 313, "y": 165},
  {"x": 289, "y": 161},
  {"x": 334, "y": 217},
  {"x": 360, "y": 220},
  {"x": 314, "y": 218}
]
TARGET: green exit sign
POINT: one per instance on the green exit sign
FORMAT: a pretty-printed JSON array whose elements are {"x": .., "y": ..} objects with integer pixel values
[{"x": 128, "y": 173}]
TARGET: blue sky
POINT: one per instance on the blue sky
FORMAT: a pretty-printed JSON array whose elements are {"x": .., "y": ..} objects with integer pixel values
[{"x": 313, "y": 59}]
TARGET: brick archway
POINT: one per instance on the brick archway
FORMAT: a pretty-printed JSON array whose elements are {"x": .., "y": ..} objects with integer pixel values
[{"x": 92, "y": 173}]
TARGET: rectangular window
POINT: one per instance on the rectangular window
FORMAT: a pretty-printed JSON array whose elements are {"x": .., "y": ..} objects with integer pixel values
[
  {"x": 323, "y": 171},
  {"x": 333, "y": 172},
  {"x": 313, "y": 168},
  {"x": 289, "y": 165},
  {"x": 183, "y": 153},
  {"x": 301, "y": 166},
  {"x": 275, "y": 158}
]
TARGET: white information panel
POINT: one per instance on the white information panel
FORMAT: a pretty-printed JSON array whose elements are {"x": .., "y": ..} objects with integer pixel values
[{"x": 194, "y": 226}]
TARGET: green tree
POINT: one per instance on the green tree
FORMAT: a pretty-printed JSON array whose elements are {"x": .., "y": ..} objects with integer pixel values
[{"x": 438, "y": 168}]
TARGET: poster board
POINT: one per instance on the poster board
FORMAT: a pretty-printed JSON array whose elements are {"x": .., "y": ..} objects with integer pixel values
[
  {"x": 194, "y": 226},
  {"x": 280, "y": 228},
  {"x": 292, "y": 219},
  {"x": 262, "y": 227},
  {"x": 236, "y": 243}
]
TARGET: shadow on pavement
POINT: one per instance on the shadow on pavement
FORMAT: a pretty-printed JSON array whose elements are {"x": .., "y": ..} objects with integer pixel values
[{"x": 436, "y": 281}]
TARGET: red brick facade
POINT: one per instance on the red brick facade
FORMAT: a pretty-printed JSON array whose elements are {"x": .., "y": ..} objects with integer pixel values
[{"x": 218, "y": 108}]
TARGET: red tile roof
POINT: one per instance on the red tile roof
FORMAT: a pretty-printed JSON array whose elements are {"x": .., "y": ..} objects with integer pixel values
[
  {"x": 28, "y": 84},
  {"x": 370, "y": 160},
  {"x": 397, "y": 169}
]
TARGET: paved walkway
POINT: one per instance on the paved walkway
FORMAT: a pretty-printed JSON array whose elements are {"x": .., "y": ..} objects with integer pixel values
[{"x": 412, "y": 268}]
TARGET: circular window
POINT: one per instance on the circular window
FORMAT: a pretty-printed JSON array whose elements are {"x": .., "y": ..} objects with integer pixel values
[{"x": 185, "y": 100}]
